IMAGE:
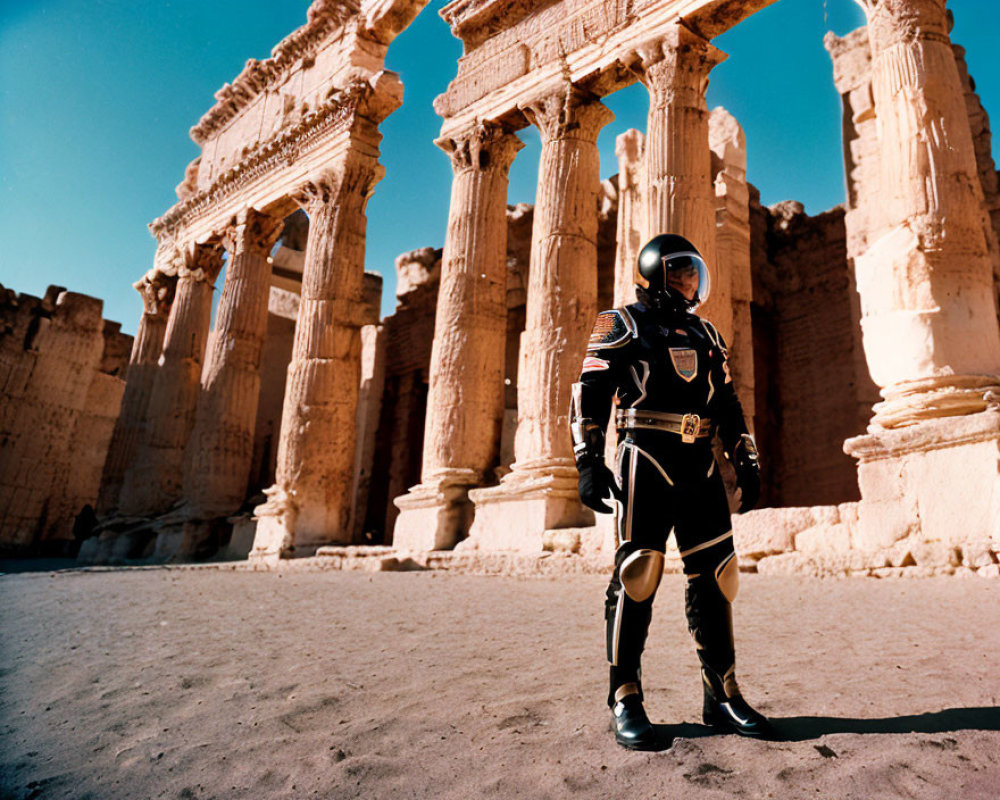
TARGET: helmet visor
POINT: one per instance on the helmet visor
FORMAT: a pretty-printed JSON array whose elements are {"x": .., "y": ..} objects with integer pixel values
[{"x": 686, "y": 274}]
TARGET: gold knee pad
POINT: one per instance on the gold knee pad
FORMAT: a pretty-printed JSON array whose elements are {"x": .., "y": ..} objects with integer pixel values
[
  {"x": 727, "y": 575},
  {"x": 640, "y": 573}
]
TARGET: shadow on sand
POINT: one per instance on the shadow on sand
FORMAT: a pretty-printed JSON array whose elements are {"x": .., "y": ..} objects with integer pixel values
[{"x": 801, "y": 729}]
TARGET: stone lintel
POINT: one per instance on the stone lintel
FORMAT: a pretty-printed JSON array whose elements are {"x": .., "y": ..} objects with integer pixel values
[
  {"x": 277, "y": 167},
  {"x": 583, "y": 41}
]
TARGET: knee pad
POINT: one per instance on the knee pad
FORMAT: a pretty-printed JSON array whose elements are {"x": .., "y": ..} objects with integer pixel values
[{"x": 640, "y": 573}]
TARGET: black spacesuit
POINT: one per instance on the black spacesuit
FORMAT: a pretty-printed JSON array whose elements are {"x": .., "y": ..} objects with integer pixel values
[{"x": 665, "y": 371}]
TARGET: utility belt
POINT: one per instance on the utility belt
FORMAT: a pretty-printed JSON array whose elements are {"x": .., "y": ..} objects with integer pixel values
[{"x": 688, "y": 426}]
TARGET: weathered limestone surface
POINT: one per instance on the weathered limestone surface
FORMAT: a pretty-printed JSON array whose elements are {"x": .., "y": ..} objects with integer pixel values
[
  {"x": 811, "y": 377},
  {"x": 925, "y": 260},
  {"x": 732, "y": 246},
  {"x": 465, "y": 404},
  {"x": 310, "y": 503},
  {"x": 60, "y": 373},
  {"x": 154, "y": 481},
  {"x": 540, "y": 491},
  {"x": 926, "y": 276},
  {"x": 157, "y": 295},
  {"x": 219, "y": 456},
  {"x": 629, "y": 147},
  {"x": 678, "y": 192}
]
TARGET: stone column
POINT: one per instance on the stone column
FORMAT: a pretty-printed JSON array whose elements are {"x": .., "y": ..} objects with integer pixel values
[
  {"x": 154, "y": 482},
  {"x": 217, "y": 464},
  {"x": 732, "y": 197},
  {"x": 540, "y": 492},
  {"x": 927, "y": 469},
  {"x": 928, "y": 310},
  {"x": 157, "y": 291},
  {"x": 631, "y": 227},
  {"x": 310, "y": 503},
  {"x": 465, "y": 401},
  {"x": 677, "y": 190}
]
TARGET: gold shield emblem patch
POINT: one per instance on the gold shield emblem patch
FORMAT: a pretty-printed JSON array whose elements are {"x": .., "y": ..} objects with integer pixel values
[{"x": 685, "y": 362}]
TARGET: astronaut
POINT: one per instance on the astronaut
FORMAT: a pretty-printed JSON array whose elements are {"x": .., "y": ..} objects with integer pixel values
[{"x": 665, "y": 372}]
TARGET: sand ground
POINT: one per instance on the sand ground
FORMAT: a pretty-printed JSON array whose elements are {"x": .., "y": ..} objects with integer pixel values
[{"x": 202, "y": 684}]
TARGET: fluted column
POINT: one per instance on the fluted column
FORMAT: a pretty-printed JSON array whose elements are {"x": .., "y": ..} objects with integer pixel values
[
  {"x": 157, "y": 291},
  {"x": 677, "y": 178},
  {"x": 541, "y": 490},
  {"x": 217, "y": 464},
  {"x": 631, "y": 226},
  {"x": 310, "y": 503},
  {"x": 465, "y": 401},
  {"x": 154, "y": 482},
  {"x": 926, "y": 286}
]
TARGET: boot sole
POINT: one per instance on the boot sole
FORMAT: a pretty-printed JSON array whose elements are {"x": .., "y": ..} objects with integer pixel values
[
  {"x": 628, "y": 744},
  {"x": 725, "y": 724}
]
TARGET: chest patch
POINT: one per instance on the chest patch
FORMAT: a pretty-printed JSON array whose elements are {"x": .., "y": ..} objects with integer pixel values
[{"x": 685, "y": 362}]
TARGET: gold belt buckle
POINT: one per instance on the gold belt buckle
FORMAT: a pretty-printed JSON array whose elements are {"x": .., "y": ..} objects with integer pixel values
[{"x": 690, "y": 424}]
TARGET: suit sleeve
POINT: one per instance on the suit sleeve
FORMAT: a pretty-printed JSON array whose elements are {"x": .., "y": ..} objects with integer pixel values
[
  {"x": 725, "y": 404},
  {"x": 594, "y": 393}
]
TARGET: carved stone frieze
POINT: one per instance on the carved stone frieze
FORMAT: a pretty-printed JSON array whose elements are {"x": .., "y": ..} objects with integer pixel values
[
  {"x": 324, "y": 17},
  {"x": 372, "y": 101}
]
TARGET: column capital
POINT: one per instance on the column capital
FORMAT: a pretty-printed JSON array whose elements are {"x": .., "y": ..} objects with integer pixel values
[
  {"x": 251, "y": 231},
  {"x": 568, "y": 113},
  {"x": 892, "y": 22},
  {"x": 677, "y": 64},
  {"x": 157, "y": 292},
  {"x": 485, "y": 146},
  {"x": 202, "y": 262},
  {"x": 356, "y": 176}
]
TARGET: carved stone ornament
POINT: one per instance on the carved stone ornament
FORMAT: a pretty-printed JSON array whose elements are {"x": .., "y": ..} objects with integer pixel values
[
  {"x": 487, "y": 146},
  {"x": 324, "y": 16},
  {"x": 373, "y": 100},
  {"x": 203, "y": 262},
  {"x": 676, "y": 66},
  {"x": 252, "y": 231},
  {"x": 157, "y": 292},
  {"x": 357, "y": 177},
  {"x": 568, "y": 113}
]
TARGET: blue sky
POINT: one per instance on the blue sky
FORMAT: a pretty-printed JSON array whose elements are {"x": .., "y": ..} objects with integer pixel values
[{"x": 97, "y": 96}]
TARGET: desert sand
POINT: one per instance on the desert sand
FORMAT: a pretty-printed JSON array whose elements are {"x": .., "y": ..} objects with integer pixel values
[{"x": 186, "y": 683}]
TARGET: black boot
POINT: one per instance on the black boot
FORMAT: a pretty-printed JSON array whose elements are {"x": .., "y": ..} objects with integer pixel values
[
  {"x": 725, "y": 708},
  {"x": 710, "y": 619},
  {"x": 633, "y": 730}
]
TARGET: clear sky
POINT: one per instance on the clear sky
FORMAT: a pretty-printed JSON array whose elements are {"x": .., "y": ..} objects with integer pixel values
[{"x": 97, "y": 96}]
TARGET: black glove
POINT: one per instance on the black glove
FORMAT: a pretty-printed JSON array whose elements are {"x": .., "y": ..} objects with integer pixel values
[
  {"x": 596, "y": 483},
  {"x": 747, "y": 473}
]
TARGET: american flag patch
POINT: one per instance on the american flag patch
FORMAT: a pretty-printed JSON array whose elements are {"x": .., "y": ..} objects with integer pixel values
[{"x": 594, "y": 364}]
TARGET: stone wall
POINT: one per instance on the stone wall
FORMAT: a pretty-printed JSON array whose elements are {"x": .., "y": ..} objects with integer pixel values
[
  {"x": 813, "y": 388},
  {"x": 61, "y": 382}
]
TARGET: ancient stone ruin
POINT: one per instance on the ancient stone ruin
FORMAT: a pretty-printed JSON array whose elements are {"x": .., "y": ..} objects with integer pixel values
[
  {"x": 865, "y": 341},
  {"x": 62, "y": 375}
]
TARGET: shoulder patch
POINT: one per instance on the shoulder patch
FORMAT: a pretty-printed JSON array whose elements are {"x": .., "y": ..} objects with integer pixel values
[{"x": 611, "y": 329}]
